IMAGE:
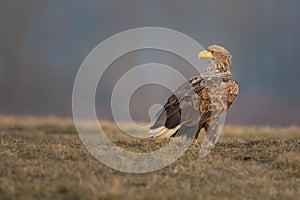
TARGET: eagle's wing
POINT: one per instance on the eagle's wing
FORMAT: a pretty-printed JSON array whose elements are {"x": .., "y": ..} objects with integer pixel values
[{"x": 182, "y": 108}]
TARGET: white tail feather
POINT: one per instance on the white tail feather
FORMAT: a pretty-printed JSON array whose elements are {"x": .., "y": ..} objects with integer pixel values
[
  {"x": 163, "y": 132},
  {"x": 157, "y": 131}
]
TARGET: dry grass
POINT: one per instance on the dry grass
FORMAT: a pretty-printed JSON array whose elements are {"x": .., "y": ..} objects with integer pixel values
[{"x": 44, "y": 159}]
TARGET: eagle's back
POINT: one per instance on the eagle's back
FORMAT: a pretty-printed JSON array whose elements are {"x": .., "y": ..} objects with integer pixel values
[{"x": 213, "y": 94}]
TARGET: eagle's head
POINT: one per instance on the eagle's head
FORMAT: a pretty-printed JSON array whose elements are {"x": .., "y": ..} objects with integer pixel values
[{"x": 220, "y": 58}]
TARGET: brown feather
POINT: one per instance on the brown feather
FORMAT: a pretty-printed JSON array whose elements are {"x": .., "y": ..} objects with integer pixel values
[{"x": 215, "y": 91}]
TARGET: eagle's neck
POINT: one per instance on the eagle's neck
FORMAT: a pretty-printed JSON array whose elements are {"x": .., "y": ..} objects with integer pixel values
[
  {"x": 214, "y": 71},
  {"x": 216, "y": 66}
]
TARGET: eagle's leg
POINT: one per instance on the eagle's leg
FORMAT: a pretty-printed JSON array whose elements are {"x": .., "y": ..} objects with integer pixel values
[
  {"x": 195, "y": 142},
  {"x": 210, "y": 134}
]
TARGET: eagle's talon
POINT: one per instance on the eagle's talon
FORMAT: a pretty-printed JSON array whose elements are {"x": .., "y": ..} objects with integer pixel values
[
  {"x": 195, "y": 142},
  {"x": 210, "y": 144}
]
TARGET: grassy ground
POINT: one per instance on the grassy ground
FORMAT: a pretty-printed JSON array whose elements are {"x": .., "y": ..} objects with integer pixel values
[{"x": 44, "y": 159}]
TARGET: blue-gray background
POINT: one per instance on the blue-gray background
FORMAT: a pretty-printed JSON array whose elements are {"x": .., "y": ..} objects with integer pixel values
[{"x": 42, "y": 44}]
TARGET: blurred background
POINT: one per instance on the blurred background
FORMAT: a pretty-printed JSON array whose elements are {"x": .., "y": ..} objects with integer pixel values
[{"x": 42, "y": 44}]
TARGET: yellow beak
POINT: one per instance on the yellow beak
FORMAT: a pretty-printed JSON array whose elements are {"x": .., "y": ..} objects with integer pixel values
[{"x": 205, "y": 54}]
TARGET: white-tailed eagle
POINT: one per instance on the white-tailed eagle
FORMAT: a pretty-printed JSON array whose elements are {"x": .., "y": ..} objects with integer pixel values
[{"x": 206, "y": 90}]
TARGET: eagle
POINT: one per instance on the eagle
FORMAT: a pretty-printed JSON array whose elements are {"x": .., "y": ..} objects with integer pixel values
[{"x": 214, "y": 92}]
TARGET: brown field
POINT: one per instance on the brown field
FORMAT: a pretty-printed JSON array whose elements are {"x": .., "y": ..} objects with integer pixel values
[{"x": 44, "y": 159}]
